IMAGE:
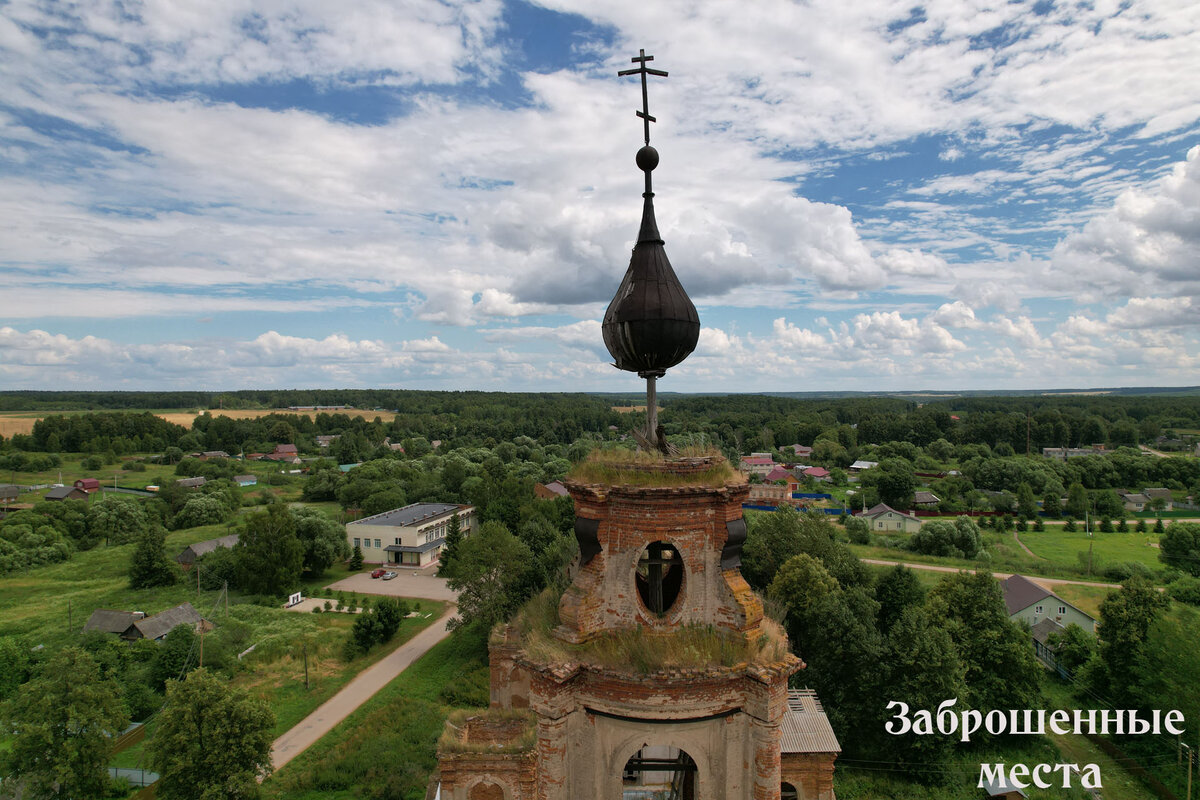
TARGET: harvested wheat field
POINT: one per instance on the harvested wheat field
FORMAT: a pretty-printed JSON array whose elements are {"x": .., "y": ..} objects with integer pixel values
[
  {"x": 22, "y": 421},
  {"x": 185, "y": 418}
]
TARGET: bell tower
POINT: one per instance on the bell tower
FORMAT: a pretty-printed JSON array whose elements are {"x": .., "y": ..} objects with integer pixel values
[{"x": 654, "y": 673}]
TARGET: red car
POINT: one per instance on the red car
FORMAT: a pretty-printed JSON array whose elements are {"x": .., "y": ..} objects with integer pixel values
[{"x": 378, "y": 573}]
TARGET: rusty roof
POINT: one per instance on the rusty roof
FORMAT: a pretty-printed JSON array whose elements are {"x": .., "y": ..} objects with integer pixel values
[{"x": 805, "y": 728}]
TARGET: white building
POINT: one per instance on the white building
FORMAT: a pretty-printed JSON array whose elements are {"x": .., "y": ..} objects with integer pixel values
[{"x": 412, "y": 536}]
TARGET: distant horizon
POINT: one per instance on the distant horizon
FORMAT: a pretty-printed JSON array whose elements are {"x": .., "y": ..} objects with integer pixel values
[
  {"x": 867, "y": 196},
  {"x": 933, "y": 393}
]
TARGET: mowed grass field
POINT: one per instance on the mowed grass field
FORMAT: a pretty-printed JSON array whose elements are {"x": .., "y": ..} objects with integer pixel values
[
  {"x": 1061, "y": 547},
  {"x": 22, "y": 421}
]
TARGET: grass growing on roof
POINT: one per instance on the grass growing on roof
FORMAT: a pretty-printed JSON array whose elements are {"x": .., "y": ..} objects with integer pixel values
[
  {"x": 627, "y": 467},
  {"x": 686, "y": 646},
  {"x": 457, "y": 737}
]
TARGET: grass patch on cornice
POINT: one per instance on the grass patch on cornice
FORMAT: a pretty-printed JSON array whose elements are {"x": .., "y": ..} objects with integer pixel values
[
  {"x": 694, "y": 466},
  {"x": 687, "y": 647}
]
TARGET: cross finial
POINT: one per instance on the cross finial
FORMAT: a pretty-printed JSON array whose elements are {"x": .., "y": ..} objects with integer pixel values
[{"x": 643, "y": 70}]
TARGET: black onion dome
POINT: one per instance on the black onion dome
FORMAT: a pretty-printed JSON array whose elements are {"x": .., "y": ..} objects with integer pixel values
[{"x": 651, "y": 324}]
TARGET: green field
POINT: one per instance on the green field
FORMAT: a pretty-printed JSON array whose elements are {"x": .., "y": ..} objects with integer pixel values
[{"x": 1064, "y": 549}]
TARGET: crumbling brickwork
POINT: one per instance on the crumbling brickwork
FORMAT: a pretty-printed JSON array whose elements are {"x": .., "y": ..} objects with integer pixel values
[{"x": 591, "y": 717}]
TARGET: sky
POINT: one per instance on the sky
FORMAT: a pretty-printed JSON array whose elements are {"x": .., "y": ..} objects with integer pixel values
[{"x": 227, "y": 194}]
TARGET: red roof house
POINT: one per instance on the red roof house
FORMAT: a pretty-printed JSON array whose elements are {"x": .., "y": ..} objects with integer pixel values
[{"x": 88, "y": 485}]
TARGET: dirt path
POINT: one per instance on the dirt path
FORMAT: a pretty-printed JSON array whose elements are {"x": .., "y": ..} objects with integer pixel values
[
  {"x": 357, "y": 692},
  {"x": 1026, "y": 549},
  {"x": 1045, "y": 582}
]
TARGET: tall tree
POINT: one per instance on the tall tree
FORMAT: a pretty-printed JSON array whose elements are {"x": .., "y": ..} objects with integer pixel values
[
  {"x": 211, "y": 741},
  {"x": 116, "y": 520},
  {"x": 1077, "y": 501},
  {"x": 923, "y": 670},
  {"x": 323, "y": 539},
  {"x": 269, "y": 554},
  {"x": 1027, "y": 505},
  {"x": 150, "y": 565},
  {"x": 897, "y": 589},
  {"x": 65, "y": 721},
  {"x": 490, "y": 573},
  {"x": 1125, "y": 620},
  {"x": 1180, "y": 547},
  {"x": 1001, "y": 670}
]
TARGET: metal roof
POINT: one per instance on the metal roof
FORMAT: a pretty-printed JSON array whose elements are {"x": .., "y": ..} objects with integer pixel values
[
  {"x": 194, "y": 551},
  {"x": 423, "y": 548},
  {"x": 108, "y": 620},
  {"x": 411, "y": 514},
  {"x": 161, "y": 623},
  {"x": 804, "y": 727},
  {"x": 1041, "y": 632},
  {"x": 1020, "y": 593}
]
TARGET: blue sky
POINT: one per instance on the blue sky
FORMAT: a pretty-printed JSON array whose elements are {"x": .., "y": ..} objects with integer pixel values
[{"x": 230, "y": 194}]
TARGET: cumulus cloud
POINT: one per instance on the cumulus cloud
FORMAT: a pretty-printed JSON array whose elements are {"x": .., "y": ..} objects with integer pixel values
[{"x": 1147, "y": 242}]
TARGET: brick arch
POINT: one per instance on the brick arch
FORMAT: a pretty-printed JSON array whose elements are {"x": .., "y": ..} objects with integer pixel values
[{"x": 486, "y": 790}]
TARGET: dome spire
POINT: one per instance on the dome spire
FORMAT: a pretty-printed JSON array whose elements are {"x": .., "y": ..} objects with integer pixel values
[{"x": 651, "y": 324}]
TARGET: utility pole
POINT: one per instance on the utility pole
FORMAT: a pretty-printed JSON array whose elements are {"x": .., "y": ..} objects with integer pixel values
[
  {"x": 197, "y": 580},
  {"x": 70, "y": 625},
  {"x": 226, "y": 591},
  {"x": 306, "y": 664},
  {"x": 1190, "y": 752},
  {"x": 202, "y": 645}
]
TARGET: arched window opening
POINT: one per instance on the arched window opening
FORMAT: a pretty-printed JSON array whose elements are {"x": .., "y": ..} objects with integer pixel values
[
  {"x": 659, "y": 577},
  {"x": 659, "y": 771}
]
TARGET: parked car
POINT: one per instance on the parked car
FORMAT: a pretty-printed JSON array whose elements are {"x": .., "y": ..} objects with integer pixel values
[
  {"x": 378, "y": 573},
  {"x": 387, "y": 576}
]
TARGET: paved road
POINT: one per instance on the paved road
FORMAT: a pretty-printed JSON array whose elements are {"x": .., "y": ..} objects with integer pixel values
[
  {"x": 1045, "y": 582},
  {"x": 357, "y": 692},
  {"x": 408, "y": 583}
]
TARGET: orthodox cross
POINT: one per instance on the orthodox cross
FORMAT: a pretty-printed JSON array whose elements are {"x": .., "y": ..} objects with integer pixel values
[{"x": 643, "y": 70}]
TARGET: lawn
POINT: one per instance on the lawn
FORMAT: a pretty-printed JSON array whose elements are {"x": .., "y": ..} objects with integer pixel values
[
  {"x": 388, "y": 747},
  {"x": 1064, "y": 549}
]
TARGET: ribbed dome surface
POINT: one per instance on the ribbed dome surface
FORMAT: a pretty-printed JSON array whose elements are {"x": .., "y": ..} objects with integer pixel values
[{"x": 651, "y": 324}]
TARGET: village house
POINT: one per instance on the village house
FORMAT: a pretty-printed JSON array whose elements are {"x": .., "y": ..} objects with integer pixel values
[
  {"x": 1135, "y": 501},
  {"x": 801, "y": 450},
  {"x": 1033, "y": 603},
  {"x": 245, "y": 480},
  {"x": 882, "y": 518},
  {"x": 925, "y": 499},
  {"x": 412, "y": 536},
  {"x": 1160, "y": 494},
  {"x": 133, "y": 625},
  {"x": 192, "y": 483},
  {"x": 194, "y": 551},
  {"x": 286, "y": 453},
  {"x": 66, "y": 493},
  {"x": 759, "y": 464},
  {"x": 88, "y": 485},
  {"x": 549, "y": 491}
]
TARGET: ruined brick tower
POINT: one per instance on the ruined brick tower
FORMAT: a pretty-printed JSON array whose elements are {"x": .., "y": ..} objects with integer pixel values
[{"x": 654, "y": 674}]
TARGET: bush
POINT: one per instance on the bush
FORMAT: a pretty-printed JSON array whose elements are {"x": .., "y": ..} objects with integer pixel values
[
  {"x": 1185, "y": 589},
  {"x": 328, "y": 606},
  {"x": 1126, "y": 570},
  {"x": 857, "y": 530},
  {"x": 1141, "y": 526},
  {"x": 1038, "y": 525},
  {"x": 316, "y": 609}
]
